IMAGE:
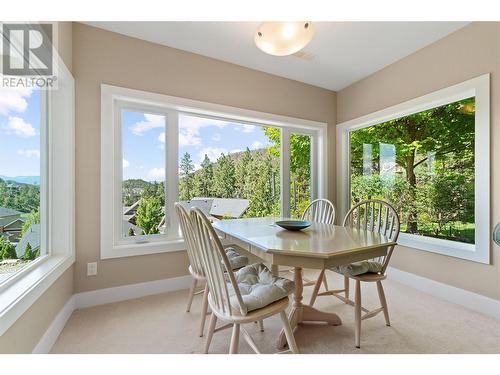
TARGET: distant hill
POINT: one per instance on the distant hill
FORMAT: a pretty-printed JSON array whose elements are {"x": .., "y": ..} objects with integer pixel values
[{"x": 28, "y": 180}]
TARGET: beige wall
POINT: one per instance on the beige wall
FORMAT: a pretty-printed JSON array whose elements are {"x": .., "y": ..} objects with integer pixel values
[
  {"x": 24, "y": 334},
  {"x": 467, "y": 53},
  {"x": 104, "y": 57}
]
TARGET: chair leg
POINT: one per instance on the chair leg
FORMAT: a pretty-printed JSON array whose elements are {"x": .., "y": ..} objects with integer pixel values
[
  {"x": 325, "y": 282},
  {"x": 290, "y": 338},
  {"x": 210, "y": 334},
  {"x": 204, "y": 309},
  {"x": 346, "y": 287},
  {"x": 235, "y": 339},
  {"x": 320, "y": 279},
  {"x": 357, "y": 314},
  {"x": 381, "y": 296},
  {"x": 191, "y": 294},
  {"x": 261, "y": 325}
]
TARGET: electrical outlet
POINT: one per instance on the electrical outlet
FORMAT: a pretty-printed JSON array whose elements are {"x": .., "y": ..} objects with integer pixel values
[{"x": 92, "y": 269}]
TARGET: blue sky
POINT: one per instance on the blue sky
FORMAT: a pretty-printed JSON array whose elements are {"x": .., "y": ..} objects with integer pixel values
[
  {"x": 144, "y": 141},
  {"x": 143, "y": 138},
  {"x": 19, "y": 132}
]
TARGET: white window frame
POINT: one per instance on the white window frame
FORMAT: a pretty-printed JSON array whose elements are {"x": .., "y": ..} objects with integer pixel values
[
  {"x": 479, "y": 88},
  {"x": 112, "y": 97},
  {"x": 21, "y": 290}
]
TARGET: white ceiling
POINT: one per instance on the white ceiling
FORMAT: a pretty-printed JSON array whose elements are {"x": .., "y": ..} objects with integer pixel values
[{"x": 342, "y": 52}]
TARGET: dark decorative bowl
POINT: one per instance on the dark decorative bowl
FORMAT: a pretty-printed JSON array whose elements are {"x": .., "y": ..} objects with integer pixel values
[{"x": 293, "y": 224}]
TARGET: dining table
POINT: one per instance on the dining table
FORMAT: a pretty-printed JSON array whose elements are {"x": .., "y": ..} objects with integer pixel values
[{"x": 319, "y": 246}]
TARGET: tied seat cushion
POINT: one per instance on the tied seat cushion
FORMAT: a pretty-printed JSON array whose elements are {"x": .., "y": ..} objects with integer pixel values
[
  {"x": 258, "y": 287},
  {"x": 358, "y": 268},
  {"x": 235, "y": 259}
]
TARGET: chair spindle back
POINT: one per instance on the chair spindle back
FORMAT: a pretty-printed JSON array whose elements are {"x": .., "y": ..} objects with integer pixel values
[
  {"x": 375, "y": 216},
  {"x": 320, "y": 211},
  {"x": 189, "y": 238},
  {"x": 216, "y": 265}
]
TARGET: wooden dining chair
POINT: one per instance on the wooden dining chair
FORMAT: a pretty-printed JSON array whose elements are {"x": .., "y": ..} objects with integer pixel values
[
  {"x": 320, "y": 211},
  {"x": 375, "y": 216},
  {"x": 248, "y": 295},
  {"x": 195, "y": 265}
]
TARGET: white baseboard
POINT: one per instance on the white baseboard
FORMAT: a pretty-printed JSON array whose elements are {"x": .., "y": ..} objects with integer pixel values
[
  {"x": 462, "y": 297},
  {"x": 103, "y": 296},
  {"x": 52, "y": 333},
  {"x": 125, "y": 292}
]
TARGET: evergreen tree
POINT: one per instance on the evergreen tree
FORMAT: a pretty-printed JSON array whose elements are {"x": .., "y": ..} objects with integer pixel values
[
  {"x": 186, "y": 167},
  {"x": 149, "y": 215},
  {"x": 7, "y": 249},
  {"x": 28, "y": 254},
  {"x": 205, "y": 178},
  {"x": 224, "y": 177},
  {"x": 262, "y": 198},
  {"x": 242, "y": 171}
]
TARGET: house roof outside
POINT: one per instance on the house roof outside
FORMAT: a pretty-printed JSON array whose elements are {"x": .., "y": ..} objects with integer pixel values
[
  {"x": 32, "y": 236},
  {"x": 4, "y": 211},
  {"x": 19, "y": 221}
]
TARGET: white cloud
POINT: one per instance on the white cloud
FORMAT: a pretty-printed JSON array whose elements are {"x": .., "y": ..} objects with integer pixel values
[
  {"x": 236, "y": 150},
  {"x": 17, "y": 126},
  {"x": 125, "y": 163},
  {"x": 213, "y": 153},
  {"x": 156, "y": 174},
  {"x": 29, "y": 153},
  {"x": 150, "y": 122},
  {"x": 188, "y": 138},
  {"x": 13, "y": 99},
  {"x": 248, "y": 128},
  {"x": 256, "y": 145},
  {"x": 161, "y": 137},
  {"x": 190, "y": 126}
]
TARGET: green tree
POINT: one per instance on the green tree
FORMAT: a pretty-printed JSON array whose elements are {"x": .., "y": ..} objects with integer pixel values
[
  {"x": 439, "y": 132},
  {"x": 28, "y": 253},
  {"x": 300, "y": 167},
  {"x": 7, "y": 249},
  {"x": 205, "y": 178},
  {"x": 225, "y": 177},
  {"x": 33, "y": 218},
  {"x": 186, "y": 167},
  {"x": 242, "y": 171},
  {"x": 131, "y": 232},
  {"x": 262, "y": 199},
  {"x": 149, "y": 215}
]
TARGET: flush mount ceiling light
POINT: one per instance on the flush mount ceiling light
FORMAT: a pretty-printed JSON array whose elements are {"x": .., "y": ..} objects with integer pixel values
[{"x": 283, "y": 38}]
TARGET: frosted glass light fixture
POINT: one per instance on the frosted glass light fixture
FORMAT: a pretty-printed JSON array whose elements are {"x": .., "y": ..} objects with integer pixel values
[{"x": 283, "y": 38}]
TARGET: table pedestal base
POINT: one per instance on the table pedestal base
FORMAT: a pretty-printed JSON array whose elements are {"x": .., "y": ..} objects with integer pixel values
[{"x": 304, "y": 313}]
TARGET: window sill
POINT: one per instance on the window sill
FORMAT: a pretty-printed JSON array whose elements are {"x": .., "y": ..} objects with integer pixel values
[
  {"x": 17, "y": 297},
  {"x": 454, "y": 249},
  {"x": 136, "y": 249}
]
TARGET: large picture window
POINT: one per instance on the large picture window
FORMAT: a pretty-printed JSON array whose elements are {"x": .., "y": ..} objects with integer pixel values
[
  {"x": 423, "y": 164},
  {"x": 429, "y": 159},
  {"x": 22, "y": 129},
  {"x": 229, "y": 162}
]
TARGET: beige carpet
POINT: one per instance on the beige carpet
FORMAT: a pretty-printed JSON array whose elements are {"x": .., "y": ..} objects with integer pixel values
[{"x": 159, "y": 324}]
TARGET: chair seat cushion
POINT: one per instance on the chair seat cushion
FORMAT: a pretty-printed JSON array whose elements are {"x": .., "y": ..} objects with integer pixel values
[
  {"x": 235, "y": 259},
  {"x": 258, "y": 287},
  {"x": 358, "y": 268}
]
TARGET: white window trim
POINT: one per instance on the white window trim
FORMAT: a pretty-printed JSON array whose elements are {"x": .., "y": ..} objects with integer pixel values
[
  {"x": 111, "y": 160},
  {"x": 20, "y": 291},
  {"x": 478, "y": 87}
]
